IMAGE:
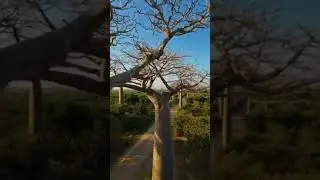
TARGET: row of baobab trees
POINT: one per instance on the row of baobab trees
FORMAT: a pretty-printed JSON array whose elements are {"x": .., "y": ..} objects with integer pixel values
[
  {"x": 182, "y": 96},
  {"x": 235, "y": 104},
  {"x": 241, "y": 42}
]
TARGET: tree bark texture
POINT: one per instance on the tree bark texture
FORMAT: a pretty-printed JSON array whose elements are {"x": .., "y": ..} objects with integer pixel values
[
  {"x": 19, "y": 61},
  {"x": 215, "y": 125},
  {"x": 163, "y": 155},
  {"x": 180, "y": 99},
  {"x": 121, "y": 95}
]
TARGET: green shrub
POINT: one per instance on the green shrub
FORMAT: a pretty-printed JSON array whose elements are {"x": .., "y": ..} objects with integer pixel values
[
  {"x": 136, "y": 124},
  {"x": 69, "y": 119},
  {"x": 283, "y": 144},
  {"x": 179, "y": 121},
  {"x": 115, "y": 108},
  {"x": 115, "y": 132},
  {"x": 141, "y": 109},
  {"x": 288, "y": 119},
  {"x": 126, "y": 108},
  {"x": 197, "y": 128},
  {"x": 190, "y": 161}
]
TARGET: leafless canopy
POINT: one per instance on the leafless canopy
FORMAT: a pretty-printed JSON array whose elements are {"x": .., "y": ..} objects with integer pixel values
[
  {"x": 122, "y": 20},
  {"x": 249, "y": 49},
  {"x": 170, "y": 18},
  {"x": 20, "y": 62},
  {"x": 171, "y": 69}
]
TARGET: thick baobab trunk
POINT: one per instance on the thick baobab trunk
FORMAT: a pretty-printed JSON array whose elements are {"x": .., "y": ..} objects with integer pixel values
[
  {"x": 163, "y": 161},
  {"x": 120, "y": 95},
  {"x": 35, "y": 109}
]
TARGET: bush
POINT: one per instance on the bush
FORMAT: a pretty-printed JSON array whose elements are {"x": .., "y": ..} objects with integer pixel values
[
  {"x": 289, "y": 119},
  {"x": 190, "y": 162},
  {"x": 135, "y": 98},
  {"x": 115, "y": 132},
  {"x": 278, "y": 145},
  {"x": 69, "y": 118},
  {"x": 179, "y": 121},
  {"x": 137, "y": 109},
  {"x": 141, "y": 109},
  {"x": 197, "y": 128},
  {"x": 136, "y": 124}
]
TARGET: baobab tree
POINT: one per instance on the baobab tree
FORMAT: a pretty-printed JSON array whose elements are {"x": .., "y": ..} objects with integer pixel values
[
  {"x": 169, "y": 19},
  {"x": 175, "y": 74},
  {"x": 23, "y": 62},
  {"x": 16, "y": 22},
  {"x": 77, "y": 36},
  {"x": 249, "y": 51},
  {"x": 181, "y": 20}
]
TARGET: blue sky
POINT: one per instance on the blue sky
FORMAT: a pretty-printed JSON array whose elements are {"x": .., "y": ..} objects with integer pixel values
[
  {"x": 294, "y": 11},
  {"x": 195, "y": 44}
]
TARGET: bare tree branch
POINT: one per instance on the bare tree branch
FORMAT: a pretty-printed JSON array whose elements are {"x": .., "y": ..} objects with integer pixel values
[
  {"x": 248, "y": 47},
  {"x": 20, "y": 59}
]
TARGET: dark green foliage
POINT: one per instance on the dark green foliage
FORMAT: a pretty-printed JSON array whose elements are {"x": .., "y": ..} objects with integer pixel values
[
  {"x": 136, "y": 124},
  {"x": 71, "y": 145},
  {"x": 277, "y": 145},
  {"x": 191, "y": 161},
  {"x": 69, "y": 118},
  {"x": 193, "y": 122},
  {"x": 197, "y": 128},
  {"x": 135, "y": 98},
  {"x": 135, "y": 115},
  {"x": 288, "y": 119}
]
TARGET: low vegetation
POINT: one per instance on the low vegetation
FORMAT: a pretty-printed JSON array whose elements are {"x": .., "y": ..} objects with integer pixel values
[
  {"x": 72, "y": 142},
  {"x": 283, "y": 143}
]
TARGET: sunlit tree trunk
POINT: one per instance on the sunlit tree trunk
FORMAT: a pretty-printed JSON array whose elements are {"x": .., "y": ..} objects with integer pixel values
[
  {"x": 121, "y": 95},
  {"x": 35, "y": 109},
  {"x": 180, "y": 99},
  {"x": 163, "y": 160}
]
